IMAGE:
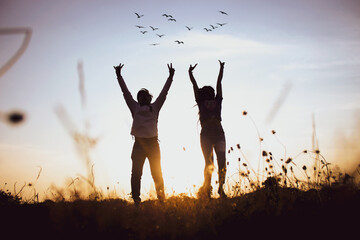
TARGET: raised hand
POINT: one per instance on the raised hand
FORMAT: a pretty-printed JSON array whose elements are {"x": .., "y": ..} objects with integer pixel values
[
  {"x": 118, "y": 69},
  {"x": 221, "y": 64},
  {"x": 191, "y": 68},
  {"x": 171, "y": 70},
  {"x": 218, "y": 84}
]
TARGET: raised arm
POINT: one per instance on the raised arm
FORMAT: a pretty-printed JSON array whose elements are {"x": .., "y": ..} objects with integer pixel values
[
  {"x": 127, "y": 95},
  {"x": 218, "y": 84},
  {"x": 193, "y": 81},
  {"x": 162, "y": 96}
]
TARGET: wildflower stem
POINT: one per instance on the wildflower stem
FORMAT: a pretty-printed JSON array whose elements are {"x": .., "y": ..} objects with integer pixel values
[
  {"x": 277, "y": 139},
  {"x": 260, "y": 140}
]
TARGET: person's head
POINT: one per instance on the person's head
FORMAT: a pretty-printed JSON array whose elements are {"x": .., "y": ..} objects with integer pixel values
[
  {"x": 206, "y": 93},
  {"x": 144, "y": 97}
]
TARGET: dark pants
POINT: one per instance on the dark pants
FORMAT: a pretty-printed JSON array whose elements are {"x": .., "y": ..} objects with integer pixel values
[
  {"x": 209, "y": 143},
  {"x": 146, "y": 148}
]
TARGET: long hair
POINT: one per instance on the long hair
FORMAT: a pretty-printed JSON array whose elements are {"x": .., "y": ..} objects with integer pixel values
[{"x": 206, "y": 93}]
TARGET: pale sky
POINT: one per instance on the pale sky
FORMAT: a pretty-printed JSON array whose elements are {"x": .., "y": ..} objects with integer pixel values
[{"x": 311, "y": 48}]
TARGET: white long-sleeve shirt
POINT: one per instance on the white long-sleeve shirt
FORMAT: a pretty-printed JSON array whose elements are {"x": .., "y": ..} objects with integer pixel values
[{"x": 145, "y": 118}]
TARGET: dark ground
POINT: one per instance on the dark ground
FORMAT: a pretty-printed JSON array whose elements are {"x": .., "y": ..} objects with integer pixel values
[{"x": 331, "y": 212}]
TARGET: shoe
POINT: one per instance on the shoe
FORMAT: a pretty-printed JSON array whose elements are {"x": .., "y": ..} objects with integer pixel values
[
  {"x": 161, "y": 196},
  {"x": 204, "y": 192},
  {"x": 137, "y": 202},
  {"x": 222, "y": 193},
  {"x": 161, "y": 199}
]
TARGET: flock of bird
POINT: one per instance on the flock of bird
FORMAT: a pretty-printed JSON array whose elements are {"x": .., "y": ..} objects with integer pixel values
[{"x": 170, "y": 18}]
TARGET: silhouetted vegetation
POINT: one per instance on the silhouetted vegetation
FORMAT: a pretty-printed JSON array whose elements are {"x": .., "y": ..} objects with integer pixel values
[{"x": 271, "y": 209}]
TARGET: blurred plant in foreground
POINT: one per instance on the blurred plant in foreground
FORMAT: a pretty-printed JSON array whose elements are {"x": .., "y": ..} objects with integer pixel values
[{"x": 84, "y": 143}]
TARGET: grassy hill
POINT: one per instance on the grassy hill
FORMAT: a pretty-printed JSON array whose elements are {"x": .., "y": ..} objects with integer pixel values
[{"x": 271, "y": 211}]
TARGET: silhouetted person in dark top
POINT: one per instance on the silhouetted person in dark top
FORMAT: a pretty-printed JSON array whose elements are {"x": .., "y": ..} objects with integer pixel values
[
  {"x": 212, "y": 135},
  {"x": 144, "y": 128}
]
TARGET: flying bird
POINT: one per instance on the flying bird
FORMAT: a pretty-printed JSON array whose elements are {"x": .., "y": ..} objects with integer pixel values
[
  {"x": 139, "y": 26},
  {"x": 221, "y": 24},
  {"x": 213, "y": 27},
  {"x": 189, "y": 28},
  {"x": 160, "y": 35},
  {"x": 179, "y": 42},
  {"x": 208, "y": 30},
  {"x": 154, "y": 44},
  {"x": 154, "y": 28},
  {"x": 172, "y": 19},
  {"x": 138, "y": 15},
  {"x": 222, "y": 12},
  {"x": 143, "y": 32}
]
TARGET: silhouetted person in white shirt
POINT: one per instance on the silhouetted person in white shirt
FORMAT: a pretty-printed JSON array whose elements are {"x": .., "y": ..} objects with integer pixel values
[{"x": 144, "y": 128}]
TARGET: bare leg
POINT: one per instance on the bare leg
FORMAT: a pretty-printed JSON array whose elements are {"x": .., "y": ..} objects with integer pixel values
[
  {"x": 220, "y": 150},
  {"x": 207, "y": 150}
]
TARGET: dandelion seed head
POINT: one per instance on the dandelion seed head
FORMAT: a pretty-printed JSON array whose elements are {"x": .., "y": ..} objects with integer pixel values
[
  {"x": 273, "y": 131},
  {"x": 304, "y": 168},
  {"x": 238, "y": 146},
  {"x": 244, "y": 113}
]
